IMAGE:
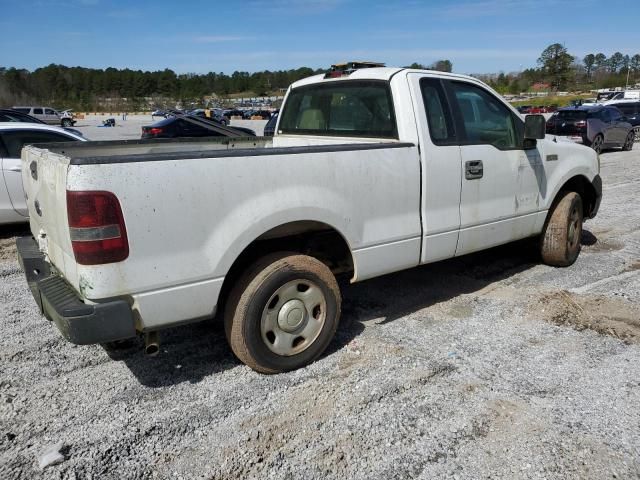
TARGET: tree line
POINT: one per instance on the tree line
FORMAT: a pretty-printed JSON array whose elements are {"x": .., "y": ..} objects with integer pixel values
[
  {"x": 558, "y": 70},
  {"x": 88, "y": 89}
]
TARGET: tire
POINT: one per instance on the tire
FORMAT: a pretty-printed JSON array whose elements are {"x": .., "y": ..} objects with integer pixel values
[
  {"x": 66, "y": 122},
  {"x": 628, "y": 143},
  {"x": 282, "y": 313},
  {"x": 636, "y": 131},
  {"x": 560, "y": 240},
  {"x": 597, "y": 143}
]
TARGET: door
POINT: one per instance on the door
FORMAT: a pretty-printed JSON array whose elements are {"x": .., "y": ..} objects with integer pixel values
[
  {"x": 501, "y": 182},
  {"x": 12, "y": 142},
  {"x": 38, "y": 113},
  {"x": 441, "y": 172},
  {"x": 608, "y": 127},
  {"x": 51, "y": 116},
  {"x": 620, "y": 127}
]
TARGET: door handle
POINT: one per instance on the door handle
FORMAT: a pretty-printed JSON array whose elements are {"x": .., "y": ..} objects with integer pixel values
[
  {"x": 473, "y": 169},
  {"x": 15, "y": 169}
]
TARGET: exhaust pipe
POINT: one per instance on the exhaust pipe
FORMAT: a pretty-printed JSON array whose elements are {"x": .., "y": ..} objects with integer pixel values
[{"x": 151, "y": 343}]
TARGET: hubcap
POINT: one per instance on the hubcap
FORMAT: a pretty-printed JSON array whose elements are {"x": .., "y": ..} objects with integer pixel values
[{"x": 293, "y": 317}]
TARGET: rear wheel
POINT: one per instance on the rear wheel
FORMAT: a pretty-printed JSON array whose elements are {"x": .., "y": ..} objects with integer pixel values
[
  {"x": 628, "y": 143},
  {"x": 597, "y": 143},
  {"x": 560, "y": 241},
  {"x": 636, "y": 131},
  {"x": 283, "y": 312}
]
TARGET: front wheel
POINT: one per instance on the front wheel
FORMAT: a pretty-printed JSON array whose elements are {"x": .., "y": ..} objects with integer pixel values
[
  {"x": 283, "y": 313},
  {"x": 560, "y": 241},
  {"x": 628, "y": 143},
  {"x": 66, "y": 122},
  {"x": 636, "y": 131}
]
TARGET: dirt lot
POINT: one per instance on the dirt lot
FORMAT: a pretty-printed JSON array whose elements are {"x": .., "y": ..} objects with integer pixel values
[{"x": 487, "y": 366}]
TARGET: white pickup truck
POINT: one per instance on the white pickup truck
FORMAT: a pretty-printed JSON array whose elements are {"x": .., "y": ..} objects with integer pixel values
[{"x": 370, "y": 171}]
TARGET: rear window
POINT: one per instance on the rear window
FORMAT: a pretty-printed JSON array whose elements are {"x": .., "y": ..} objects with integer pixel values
[
  {"x": 572, "y": 115},
  {"x": 342, "y": 109}
]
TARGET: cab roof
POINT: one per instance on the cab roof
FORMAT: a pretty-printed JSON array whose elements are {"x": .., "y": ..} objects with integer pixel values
[{"x": 374, "y": 73}]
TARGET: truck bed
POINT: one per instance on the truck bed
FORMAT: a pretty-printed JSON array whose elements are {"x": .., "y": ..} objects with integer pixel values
[{"x": 191, "y": 207}]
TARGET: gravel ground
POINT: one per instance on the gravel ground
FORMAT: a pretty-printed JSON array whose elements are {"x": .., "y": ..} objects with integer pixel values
[{"x": 486, "y": 366}]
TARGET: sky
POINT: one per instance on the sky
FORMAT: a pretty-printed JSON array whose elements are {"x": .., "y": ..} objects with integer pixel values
[{"x": 199, "y": 36}]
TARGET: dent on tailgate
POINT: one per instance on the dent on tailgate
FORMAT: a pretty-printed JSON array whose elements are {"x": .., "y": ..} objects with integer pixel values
[{"x": 44, "y": 175}]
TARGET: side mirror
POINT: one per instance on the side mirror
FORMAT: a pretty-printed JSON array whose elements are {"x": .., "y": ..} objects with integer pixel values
[{"x": 534, "y": 127}]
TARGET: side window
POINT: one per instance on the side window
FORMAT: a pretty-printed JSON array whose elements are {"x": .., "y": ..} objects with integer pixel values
[
  {"x": 48, "y": 111},
  {"x": 626, "y": 109},
  {"x": 604, "y": 115},
  {"x": 37, "y": 111},
  {"x": 615, "y": 114},
  {"x": 438, "y": 115},
  {"x": 486, "y": 120},
  {"x": 15, "y": 140}
]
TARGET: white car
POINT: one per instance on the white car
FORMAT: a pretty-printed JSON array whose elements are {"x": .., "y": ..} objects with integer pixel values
[{"x": 13, "y": 136}]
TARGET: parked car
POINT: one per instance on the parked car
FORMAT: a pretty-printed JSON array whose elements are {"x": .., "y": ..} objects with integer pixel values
[
  {"x": 212, "y": 114},
  {"x": 263, "y": 114},
  {"x": 10, "y": 115},
  {"x": 631, "y": 110},
  {"x": 13, "y": 136},
  {"x": 598, "y": 127},
  {"x": 49, "y": 115},
  {"x": 192, "y": 126},
  {"x": 623, "y": 97},
  {"x": 258, "y": 229},
  {"x": 270, "y": 127},
  {"x": 524, "y": 109},
  {"x": 233, "y": 113},
  {"x": 159, "y": 113}
]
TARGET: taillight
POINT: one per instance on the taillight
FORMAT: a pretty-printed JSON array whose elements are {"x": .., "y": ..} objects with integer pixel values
[
  {"x": 96, "y": 225},
  {"x": 580, "y": 124},
  {"x": 152, "y": 131}
]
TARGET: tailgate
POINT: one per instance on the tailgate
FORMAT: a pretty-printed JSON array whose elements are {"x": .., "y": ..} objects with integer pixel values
[{"x": 44, "y": 176}]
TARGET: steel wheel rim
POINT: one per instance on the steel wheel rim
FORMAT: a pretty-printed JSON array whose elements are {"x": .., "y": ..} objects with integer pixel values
[
  {"x": 597, "y": 144},
  {"x": 575, "y": 230},
  {"x": 293, "y": 317}
]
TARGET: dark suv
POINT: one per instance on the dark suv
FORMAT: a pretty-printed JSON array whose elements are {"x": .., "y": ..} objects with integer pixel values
[
  {"x": 598, "y": 127},
  {"x": 631, "y": 110}
]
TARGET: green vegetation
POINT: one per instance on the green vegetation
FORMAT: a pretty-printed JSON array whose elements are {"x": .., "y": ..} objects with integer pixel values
[
  {"x": 88, "y": 89},
  {"x": 551, "y": 100},
  {"x": 558, "y": 70}
]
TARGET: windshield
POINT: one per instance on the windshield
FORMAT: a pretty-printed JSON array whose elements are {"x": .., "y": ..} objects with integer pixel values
[{"x": 342, "y": 108}]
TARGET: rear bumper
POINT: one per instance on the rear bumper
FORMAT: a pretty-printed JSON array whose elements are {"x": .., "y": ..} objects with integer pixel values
[{"x": 78, "y": 322}]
